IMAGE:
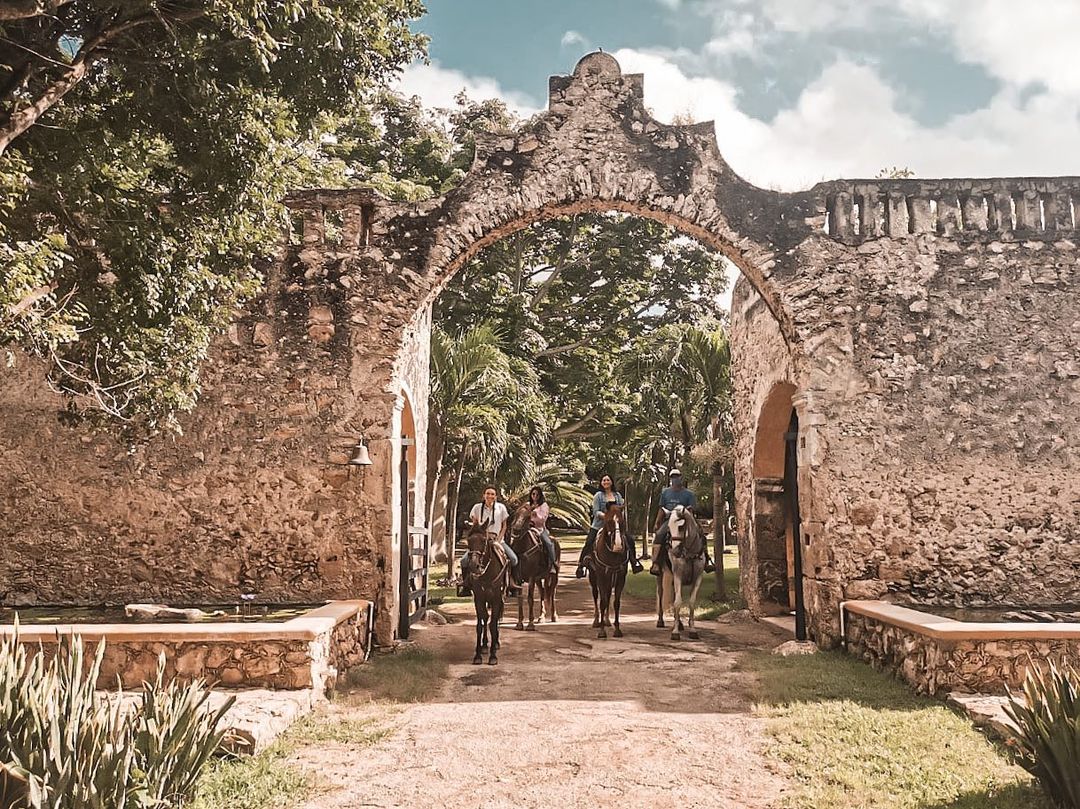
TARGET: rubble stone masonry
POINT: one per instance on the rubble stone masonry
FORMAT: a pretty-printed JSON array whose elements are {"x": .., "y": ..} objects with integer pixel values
[{"x": 926, "y": 332}]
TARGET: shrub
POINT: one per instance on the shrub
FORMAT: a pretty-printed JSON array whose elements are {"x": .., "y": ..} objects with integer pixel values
[
  {"x": 1047, "y": 739},
  {"x": 64, "y": 747}
]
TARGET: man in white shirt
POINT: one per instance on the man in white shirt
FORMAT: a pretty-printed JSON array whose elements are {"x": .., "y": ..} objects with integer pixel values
[{"x": 498, "y": 519}]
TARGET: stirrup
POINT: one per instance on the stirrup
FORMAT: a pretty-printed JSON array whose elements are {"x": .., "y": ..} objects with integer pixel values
[
  {"x": 710, "y": 567},
  {"x": 654, "y": 570}
]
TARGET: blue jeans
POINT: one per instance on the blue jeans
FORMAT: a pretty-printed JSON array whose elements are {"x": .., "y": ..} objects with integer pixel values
[{"x": 550, "y": 545}]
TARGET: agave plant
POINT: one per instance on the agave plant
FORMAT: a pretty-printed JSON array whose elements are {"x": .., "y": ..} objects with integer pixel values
[
  {"x": 14, "y": 790},
  {"x": 1047, "y": 739},
  {"x": 64, "y": 747}
]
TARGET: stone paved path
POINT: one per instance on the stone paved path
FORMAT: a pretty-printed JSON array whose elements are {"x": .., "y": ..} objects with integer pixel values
[{"x": 567, "y": 720}]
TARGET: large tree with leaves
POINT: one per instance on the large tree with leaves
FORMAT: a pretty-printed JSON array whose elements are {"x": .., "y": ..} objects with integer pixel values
[{"x": 145, "y": 147}]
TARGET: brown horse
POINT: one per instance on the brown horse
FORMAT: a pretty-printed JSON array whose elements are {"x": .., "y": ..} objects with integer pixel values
[
  {"x": 607, "y": 572},
  {"x": 489, "y": 572},
  {"x": 534, "y": 567}
]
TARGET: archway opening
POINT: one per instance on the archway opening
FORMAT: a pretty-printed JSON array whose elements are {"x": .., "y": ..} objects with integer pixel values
[
  {"x": 775, "y": 530},
  {"x": 555, "y": 291}
]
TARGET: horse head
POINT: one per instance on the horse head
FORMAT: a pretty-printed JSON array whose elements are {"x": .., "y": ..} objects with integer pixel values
[
  {"x": 614, "y": 527},
  {"x": 476, "y": 536},
  {"x": 521, "y": 521},
  {"x": 685, "y": 533}
]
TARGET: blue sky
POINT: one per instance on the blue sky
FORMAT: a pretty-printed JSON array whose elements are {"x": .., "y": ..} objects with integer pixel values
[{"x": 800, "y": 90}]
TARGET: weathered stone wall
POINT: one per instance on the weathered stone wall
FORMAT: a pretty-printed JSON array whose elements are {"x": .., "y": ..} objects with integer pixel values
[
  {"x": 255, "y": 496},
  {"x": 936, "y": 667},
  {"x": 926, "y": 333},
  {"x": 264, "y": 655}
]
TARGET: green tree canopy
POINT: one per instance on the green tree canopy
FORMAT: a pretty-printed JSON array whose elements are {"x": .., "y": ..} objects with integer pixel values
[{"x": 145, "y": 147}]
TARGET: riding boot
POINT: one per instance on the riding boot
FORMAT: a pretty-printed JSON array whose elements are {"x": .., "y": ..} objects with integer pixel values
[
  {"x": 465, "y": 588},
  {"x": 586, "y": 551},
  {"x": 635, "y": 565},
  {"x": 654, "y": 554},
  {"x": 709, "y": 566}
]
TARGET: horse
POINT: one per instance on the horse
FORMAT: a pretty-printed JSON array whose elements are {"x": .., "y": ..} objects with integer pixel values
[
  {"x": 534, "y": 567},
  {"x": 607, "y": 572},
  {"x": 489, "y": 573},
  {"x": 684, "y": 564}
]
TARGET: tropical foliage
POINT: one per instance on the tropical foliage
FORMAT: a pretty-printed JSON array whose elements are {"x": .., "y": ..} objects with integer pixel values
[
  {"x": 144, "y": 150},
  {"x": 1047, "y": 736},
  {"x": 64, "y": 747}
]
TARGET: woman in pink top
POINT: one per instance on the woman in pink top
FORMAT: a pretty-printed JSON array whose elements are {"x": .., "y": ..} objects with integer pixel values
[{"x": 539, "y": 518}]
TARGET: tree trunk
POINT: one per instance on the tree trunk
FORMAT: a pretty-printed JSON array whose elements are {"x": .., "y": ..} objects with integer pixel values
[
  {"x": 452, "y": 512},
  {"x": 719, "y": 530},
  {"x": 439, "y": 540}
]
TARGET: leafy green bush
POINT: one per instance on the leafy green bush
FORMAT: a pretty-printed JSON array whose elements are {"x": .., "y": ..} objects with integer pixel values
[
  {"x": 1047, "y": 739},
  {"x": 64, "y": 747}
]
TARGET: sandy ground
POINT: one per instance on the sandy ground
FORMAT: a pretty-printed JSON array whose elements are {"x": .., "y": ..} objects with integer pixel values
[{"x": 568, "y": 720}]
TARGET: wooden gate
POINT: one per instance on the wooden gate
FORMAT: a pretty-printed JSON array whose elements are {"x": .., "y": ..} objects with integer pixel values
[{"x": 413, "y": 579}]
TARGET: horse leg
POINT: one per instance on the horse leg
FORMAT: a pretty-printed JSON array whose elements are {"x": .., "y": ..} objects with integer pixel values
[
  {"x": 676, "y": 619},
  {"x": 496, "y": 616},
  {"x": 693, "y": 633},
  {"x": 553, "y": 616},
  {"x": 532, "y": 620},
  {"x": 620, "y": 583},
  {"x": 605, "y": 598},
  {"x": 481, "y": 629},
  {"x": 596, "y": 601},
  {"x": 521, "y": 608},
  {"x": 661, "y": 582}
]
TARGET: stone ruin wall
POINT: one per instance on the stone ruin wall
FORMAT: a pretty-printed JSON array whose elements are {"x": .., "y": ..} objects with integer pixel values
[
  {"x": 941, "y": 370},
  {"x": 932, "y": 329},
  {"x": 256, "y": 495}
]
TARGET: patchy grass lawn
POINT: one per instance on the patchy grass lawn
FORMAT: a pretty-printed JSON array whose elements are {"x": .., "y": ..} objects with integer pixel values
[
  {"x": 409, "y": 674},
  {"x": 268, "y": 781},
  {"x": 437, "y": 596},
  {"x": 642, "y": 585},
  {"x": 855, "y": 738}
]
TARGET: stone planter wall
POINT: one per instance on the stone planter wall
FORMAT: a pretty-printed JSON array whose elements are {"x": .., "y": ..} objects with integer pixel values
[
  {"x": 306, "y": 652},
  {"x": 938, "y": 655}
]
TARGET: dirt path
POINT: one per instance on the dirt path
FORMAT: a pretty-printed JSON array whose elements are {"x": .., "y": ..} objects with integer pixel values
[{"x": 567, "y": 720}]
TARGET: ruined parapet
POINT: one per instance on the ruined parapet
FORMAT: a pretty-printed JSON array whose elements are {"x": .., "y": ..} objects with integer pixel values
[{"x": 1040, "y": 207}]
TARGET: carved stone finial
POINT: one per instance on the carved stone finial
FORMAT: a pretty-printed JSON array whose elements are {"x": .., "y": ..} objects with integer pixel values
[{"x": 598, "y": 64}]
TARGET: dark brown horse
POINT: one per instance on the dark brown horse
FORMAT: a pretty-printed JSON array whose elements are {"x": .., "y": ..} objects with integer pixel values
[
  {"x": 534, "y": 567},
  {"x": 607, "y": 572},
  {"x": 489, "y": 573}
]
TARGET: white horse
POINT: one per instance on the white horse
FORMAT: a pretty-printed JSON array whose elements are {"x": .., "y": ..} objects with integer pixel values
[{"x": 685, "y": 564}]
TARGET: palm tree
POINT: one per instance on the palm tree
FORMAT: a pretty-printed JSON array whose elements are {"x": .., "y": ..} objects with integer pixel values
[
  {"x": 485, "y": 412},
  {"x": 686, "y": 404}
]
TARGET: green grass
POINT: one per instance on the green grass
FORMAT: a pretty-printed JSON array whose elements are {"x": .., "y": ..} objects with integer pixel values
[
  {"x": 438, "y": 596},
  {"x": 268, "y": 781},
  {"x": 265, "y": 781},
  {"x": 855, "y": 738},
  {"x": 406, "y": 675},
  {"x": 642, "y": 585}
]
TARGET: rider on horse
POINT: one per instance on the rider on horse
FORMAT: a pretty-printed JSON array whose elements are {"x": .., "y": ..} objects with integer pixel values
[
  {"x": 674, "y": 495},
  {"x": 497, "y": 518},
  {"x": 606, "y": 496}
]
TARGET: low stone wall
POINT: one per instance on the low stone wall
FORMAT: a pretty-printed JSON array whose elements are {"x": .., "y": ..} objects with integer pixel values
[
  {"x": 938, "y": 655},
  {"x": 308, "y": 652}
]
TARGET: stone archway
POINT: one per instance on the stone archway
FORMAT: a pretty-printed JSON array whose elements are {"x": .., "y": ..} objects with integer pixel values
[{"x": 926, "y": 325}]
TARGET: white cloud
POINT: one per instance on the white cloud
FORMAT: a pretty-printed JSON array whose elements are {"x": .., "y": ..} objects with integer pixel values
[
  {"x": 848, "y": 123},
  {"x": 1019, "y": 45},
  {"x": 573, "y": 38},
  {"x": 437, "y": 86}
]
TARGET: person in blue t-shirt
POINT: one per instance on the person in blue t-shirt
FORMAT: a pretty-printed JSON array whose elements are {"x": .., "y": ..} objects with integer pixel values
[{"x": 674, "y": 495}]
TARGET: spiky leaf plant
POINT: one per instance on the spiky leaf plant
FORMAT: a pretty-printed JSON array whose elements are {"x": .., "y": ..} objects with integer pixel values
[
  {"x": 63, "y": 746},
  {"x": 1047, "y": 739}
]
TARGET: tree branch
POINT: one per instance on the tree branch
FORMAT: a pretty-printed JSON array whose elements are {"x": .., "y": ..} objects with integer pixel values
[
  {"x": 21, "y": 120},
  {"x": 566, "y": 430},
  {"x": 545, "y": 287},
  {"x": 25, "y": 9}
]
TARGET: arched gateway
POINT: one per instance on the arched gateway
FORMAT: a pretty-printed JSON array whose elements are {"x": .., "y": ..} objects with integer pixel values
[{"x": 922, "y": 335}]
